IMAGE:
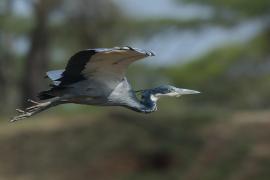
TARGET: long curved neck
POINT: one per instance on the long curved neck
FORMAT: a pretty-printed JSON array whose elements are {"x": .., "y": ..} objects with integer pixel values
[{"x": 148, "y": 103}]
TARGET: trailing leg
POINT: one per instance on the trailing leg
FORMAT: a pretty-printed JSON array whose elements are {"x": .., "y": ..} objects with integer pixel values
[{"x": 36, "y": 108}]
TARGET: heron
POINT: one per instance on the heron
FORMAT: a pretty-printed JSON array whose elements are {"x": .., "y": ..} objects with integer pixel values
[{"x": 97, "y": 77}]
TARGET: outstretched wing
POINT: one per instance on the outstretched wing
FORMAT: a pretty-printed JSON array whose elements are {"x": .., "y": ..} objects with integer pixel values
[{"x": 100, "y": 64}]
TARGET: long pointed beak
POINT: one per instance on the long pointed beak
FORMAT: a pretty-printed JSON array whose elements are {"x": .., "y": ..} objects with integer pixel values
[{"x": 187, "y": 91}]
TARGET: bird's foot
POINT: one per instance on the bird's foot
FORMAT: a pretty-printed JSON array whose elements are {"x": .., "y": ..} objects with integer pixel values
[
  {"x": 37, "y": 107},
  {"x": 24, "y": 114}
]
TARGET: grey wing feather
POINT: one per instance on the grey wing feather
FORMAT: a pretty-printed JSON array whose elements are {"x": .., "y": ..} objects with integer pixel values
[{"x": 100, "y": 64}]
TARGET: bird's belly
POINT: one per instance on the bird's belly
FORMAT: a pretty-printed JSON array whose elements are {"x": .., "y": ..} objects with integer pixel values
[
  {"x": 87, "y": 100},
  {"x": 94, "y": 93},
  {"x": 90, "y": 89}
]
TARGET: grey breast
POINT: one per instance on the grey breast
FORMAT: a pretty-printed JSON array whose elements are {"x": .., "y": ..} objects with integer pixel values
[
  {"x": 89, "y": 92},
  {"x": 122, "y": 94}
]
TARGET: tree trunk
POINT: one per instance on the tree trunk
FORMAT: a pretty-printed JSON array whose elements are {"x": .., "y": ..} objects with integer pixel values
[
  {"x": 38, "y": 57},
  {"x": 6, "y": 63}
]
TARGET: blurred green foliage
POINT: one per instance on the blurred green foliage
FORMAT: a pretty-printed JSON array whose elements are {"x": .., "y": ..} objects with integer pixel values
[{"x": 240, "y": 7}]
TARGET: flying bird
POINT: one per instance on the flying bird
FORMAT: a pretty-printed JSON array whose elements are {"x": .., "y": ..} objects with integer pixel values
[{"x": 97, "y": 77}]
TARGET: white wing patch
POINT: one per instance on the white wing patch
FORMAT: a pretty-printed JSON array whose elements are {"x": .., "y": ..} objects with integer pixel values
[{"x": 55, "y": 75}]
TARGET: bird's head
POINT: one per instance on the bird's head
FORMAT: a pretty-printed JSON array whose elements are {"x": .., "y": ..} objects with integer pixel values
[{"x": 167, "y": 90}]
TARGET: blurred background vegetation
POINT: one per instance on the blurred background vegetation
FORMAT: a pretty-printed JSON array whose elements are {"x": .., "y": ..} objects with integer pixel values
[{"x": 219, "y": 47}]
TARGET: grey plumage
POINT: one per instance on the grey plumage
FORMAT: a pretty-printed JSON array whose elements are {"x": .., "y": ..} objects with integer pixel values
[{"x": 97, "y": 77}]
